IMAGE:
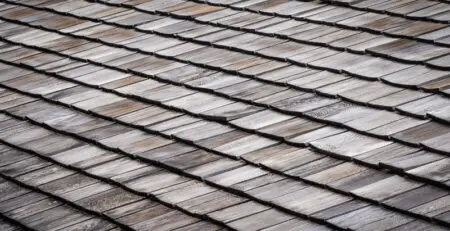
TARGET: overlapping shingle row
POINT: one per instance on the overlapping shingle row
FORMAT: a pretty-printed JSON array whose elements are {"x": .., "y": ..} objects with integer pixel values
[{"x": 248, "y": 115}]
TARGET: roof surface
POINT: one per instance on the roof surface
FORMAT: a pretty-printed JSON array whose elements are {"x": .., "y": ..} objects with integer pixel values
[{"x": 225, "y": 114}]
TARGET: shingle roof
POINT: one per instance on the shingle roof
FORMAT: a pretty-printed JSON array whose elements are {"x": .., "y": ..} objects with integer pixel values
[{"x": 224, "y": 114}]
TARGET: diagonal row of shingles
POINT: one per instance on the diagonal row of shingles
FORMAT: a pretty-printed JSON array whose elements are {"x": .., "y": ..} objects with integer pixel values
[
  {"x": 336, "y": 37},
  {"x": 293, "y": 125},
  {"x": 332, "y": 121},
  {"x": 37, "y": 209},
  {"x": 280, "y": 30},
  {"x": 97, "y": 160},
  {"x": 167, "y": 126},
  {"x": 323, "y": 13},
  {"x": 393, "y": 94},
  {"x": 328, "y": 36},
  {"x": 384, "y": 124},
  {"x": 140, "y": 90},
  {"x": 413, "y": 9},
  {"x": 311, "y": 12},
  {"x": 391, "y": 90},
  {"x": 258, "y": 120},
  {"x": 266, "y": 114},
  {"x": 238, "y": 18},
  {"x": 280, "y": 191},
  {"x": 347, "y": 88},
  {"x": 72, "y": 176},
  {"x": 63, "y": 184}
]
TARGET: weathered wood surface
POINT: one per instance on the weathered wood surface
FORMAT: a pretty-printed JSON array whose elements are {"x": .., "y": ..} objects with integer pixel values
[{"x": 217, "y": 115}]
